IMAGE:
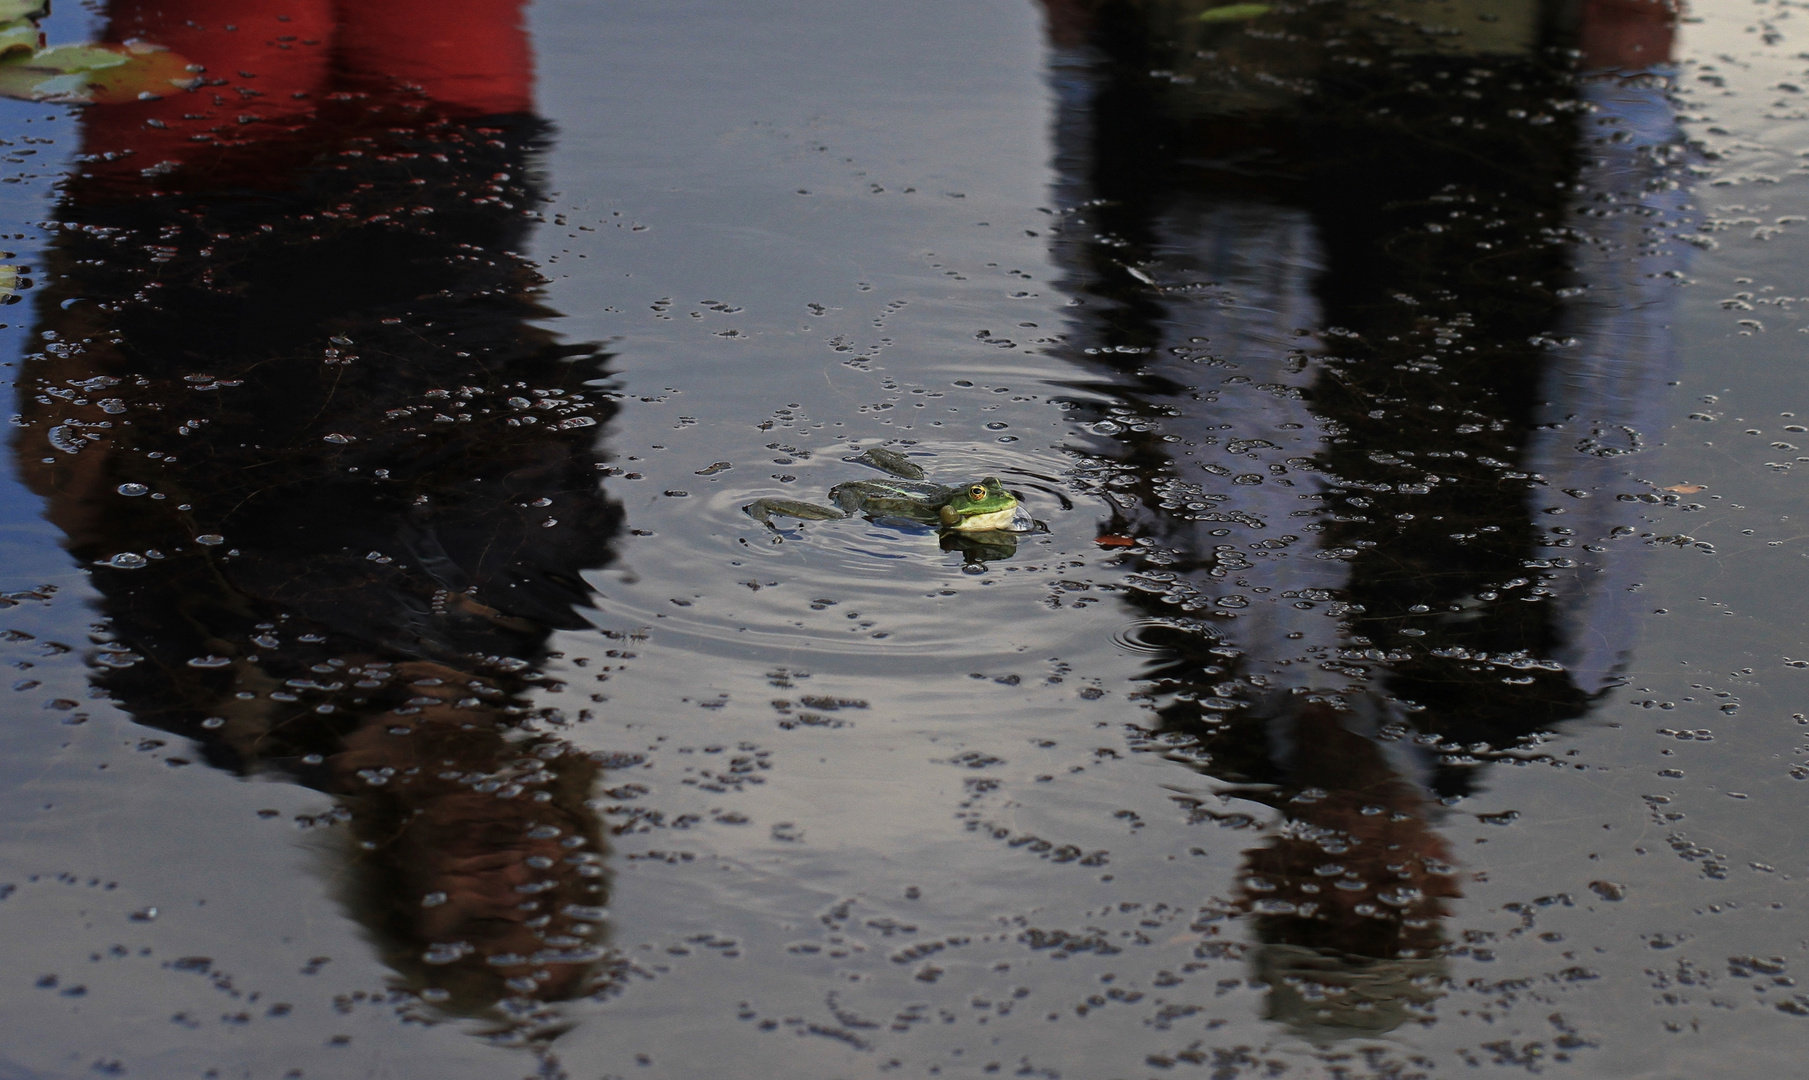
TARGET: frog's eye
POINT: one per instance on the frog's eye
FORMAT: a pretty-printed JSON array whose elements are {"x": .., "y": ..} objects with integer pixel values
[{"x": 977, "y": 492}]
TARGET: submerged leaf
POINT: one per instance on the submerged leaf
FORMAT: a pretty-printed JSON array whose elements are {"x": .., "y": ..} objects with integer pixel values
[{"x": 1234, "y": 12}]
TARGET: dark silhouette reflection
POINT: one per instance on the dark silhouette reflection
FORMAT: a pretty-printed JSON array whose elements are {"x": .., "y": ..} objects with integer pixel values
[
  {"x": 1380, "y": 293},
  {"x": 335, "y": 483}
]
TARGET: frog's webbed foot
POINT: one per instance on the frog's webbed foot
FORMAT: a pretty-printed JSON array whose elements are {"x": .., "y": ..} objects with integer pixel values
[
  {"x": 889, "y": 461},
  {"x": 763, "y": 510}
]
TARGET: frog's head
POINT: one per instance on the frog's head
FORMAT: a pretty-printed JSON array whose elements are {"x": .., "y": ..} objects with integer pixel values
[{"x": 983, "y": 504}]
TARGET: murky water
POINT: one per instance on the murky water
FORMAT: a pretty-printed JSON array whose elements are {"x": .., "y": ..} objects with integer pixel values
[{"x": 1406, "y": 678}]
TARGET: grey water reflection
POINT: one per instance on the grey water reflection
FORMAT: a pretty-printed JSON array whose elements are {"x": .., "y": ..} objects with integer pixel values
[
  {"x": 291, "y": 401},
  {"x": 1378, "y": 294}
]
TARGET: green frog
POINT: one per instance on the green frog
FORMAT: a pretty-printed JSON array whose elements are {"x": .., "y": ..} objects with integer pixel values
[{"x": 983, "y": 506}]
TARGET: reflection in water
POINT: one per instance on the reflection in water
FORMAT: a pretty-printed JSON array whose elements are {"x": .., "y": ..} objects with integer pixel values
[
  {"x": 1381, "y": 294},
  {"x": 335, "y": 485},
  {"x": 979, "y": 548}
]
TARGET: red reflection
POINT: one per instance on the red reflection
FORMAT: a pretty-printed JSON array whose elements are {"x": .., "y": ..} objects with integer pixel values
[
  {"x": 1627, "y": 35},
  {"x": 269, "y": 64}
]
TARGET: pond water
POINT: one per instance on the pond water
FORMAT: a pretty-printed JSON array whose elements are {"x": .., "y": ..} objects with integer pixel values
[{"x": 1407, "y": 394}]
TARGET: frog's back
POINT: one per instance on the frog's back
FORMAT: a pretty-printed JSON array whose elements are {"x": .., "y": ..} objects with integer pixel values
[{"x": 903, "y": 498}]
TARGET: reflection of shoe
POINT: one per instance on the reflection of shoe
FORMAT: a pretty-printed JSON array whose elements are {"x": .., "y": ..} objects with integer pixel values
[{"x": 1325, "y": 996}]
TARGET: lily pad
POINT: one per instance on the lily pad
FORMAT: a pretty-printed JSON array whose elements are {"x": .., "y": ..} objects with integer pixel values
[
  {"x": 11, "y": 10},
  {"x": 101, "y": 74},
  {"x": 19, "y": 38}
]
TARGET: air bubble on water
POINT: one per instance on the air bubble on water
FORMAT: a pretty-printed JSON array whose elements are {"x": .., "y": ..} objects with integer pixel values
[
  {"x": 433, "y": 899},
  {"x": 337, "y": 437},
  {"x": 210, "y": 539},
  {"x": 210, "y": 661},
  {"x": 127, "y": 560},
  {"x": 1105, "y": 427},
  {"x": 447, "y": 952},
  {"x": 66, "y": 439},
  {"x": 133, "y": 489}
]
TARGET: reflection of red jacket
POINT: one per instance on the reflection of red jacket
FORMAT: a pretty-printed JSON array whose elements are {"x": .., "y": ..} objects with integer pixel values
[
  {"x": 279, "y": 58},
  {"x": 1628, "y": 35}
]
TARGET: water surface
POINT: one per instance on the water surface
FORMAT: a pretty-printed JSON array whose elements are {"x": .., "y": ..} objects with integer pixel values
[{"x": 1404, "y": 682}]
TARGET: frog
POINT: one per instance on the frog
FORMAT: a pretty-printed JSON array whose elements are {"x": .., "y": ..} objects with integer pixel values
[{"x": 980, "y": 506}]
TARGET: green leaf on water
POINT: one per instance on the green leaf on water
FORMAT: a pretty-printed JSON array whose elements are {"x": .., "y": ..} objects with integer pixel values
[
  {"x": 72, "y": 59},
  {"x": 38, "y": 84},
  {"x": 18, "y": 39},
  {"x": 9, "y": 280},
  {"x": 1234, "y": 12},
  {"x": 101, "y": 74},
  {"x": 55, "y": 74},
  {"x": 11, "y": 10}
]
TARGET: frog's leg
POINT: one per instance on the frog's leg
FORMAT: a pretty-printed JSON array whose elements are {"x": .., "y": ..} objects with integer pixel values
[
  {"x": 762, "y": 510},
  {"x": 889, "y": 461},
  {"x": 849, "y": 497}
]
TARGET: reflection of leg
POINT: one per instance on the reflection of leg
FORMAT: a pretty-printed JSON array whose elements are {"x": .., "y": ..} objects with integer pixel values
[
  {"x": 1347, "y": 897},
  {"x": 1609, "y": 378},
  {"x": 1237, "y": 511},
  {"x": 372, "y": 516},
  {"x": 480, "y": 864}
]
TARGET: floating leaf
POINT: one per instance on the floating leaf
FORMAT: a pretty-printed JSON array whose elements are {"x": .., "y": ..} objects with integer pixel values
[
  {"x": 1234, "y": 12},
  {"x": 19, "y": 38},
  {"x": 101, "y": 74},
  {"x": 1111, "y": 541},
  {"x": 17, "y": 10},
  {"x": 1685, "y": 489},
  {"x": 9, "y": 281},
  {"x": 69, "y": 59}
]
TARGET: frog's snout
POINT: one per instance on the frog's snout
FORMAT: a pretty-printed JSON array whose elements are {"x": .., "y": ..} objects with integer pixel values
[{"x": 948, "y": 515}]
